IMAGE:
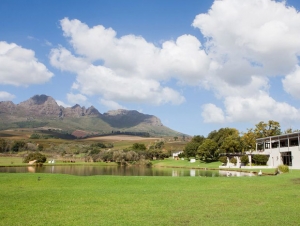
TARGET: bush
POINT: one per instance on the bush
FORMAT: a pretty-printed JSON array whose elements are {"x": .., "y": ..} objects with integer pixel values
[
  {"x": 283, "y": 168},
  {"x": 223, "y": 159},
  {"x": 245, "y": 159},
  {"x": 233, "y": 160},
  {"x": 260, "y": 159},
  {"x": 40, "y": 158}
]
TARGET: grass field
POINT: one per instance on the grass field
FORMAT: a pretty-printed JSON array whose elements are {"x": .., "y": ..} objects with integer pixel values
[{"x": 113, "y": 200}]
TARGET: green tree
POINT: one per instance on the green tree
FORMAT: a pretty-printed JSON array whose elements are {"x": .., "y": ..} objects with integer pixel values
[
  {"x": 3, "y": 145},
  {"x": 139, "y": 147},
  {"x": 248, "y": 140},
  {"x": 41, "y": 147},
  {"x": 220, "y": 135},
  {"x": 40, "y": 158},
  {"x": 199, "y": 139},
  {"x": 18, "y": 145},
  {"x": 231, "y": 144},
  {"x": 208, "y": 151},
  {"x": 263, "y": 129},
  {"x": 159, "y": 145},
  {"x": 190, "y": 149}
]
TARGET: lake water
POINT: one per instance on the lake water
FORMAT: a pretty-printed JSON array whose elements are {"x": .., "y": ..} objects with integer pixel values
[{"x": 122, "y": 171}]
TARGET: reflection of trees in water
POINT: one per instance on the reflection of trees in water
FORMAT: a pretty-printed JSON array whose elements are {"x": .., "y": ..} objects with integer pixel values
[{"x": 121, "y": 171}]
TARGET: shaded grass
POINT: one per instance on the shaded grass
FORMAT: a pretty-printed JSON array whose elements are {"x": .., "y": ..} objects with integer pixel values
[{"x": 113, "y": 200}]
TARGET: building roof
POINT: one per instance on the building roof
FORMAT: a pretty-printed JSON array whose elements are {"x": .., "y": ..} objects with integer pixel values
[{"x": 276, "y": 137}]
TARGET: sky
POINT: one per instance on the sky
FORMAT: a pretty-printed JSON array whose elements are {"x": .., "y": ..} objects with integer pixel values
[{"x": 197, "y": 65}]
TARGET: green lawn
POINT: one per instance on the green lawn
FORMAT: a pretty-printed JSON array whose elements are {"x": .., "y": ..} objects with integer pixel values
[
  {"x": 11, "y": 161},
  {"x": 185, "y": 163},
  {"x": 114, "y": 200}
]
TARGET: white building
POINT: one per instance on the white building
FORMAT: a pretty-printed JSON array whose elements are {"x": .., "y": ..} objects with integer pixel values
[
  {"x": 282, "y": 149},
  {"x": 176, "y": 153}
]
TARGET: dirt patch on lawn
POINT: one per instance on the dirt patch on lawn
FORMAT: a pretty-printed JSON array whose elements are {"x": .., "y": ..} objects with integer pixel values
[{"x": 296, "y": 181}]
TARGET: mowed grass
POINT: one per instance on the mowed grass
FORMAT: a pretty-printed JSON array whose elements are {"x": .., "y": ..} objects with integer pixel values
[
  {"x": 170, "y": 162},
  {"x": 11, "y": 161},
  {"x": 114, "y": 200}
]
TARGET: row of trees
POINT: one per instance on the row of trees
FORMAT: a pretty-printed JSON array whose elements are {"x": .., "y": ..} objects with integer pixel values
[
  {"x": 138, "y": 152},
  {"x": 17, "y": 146},
  {"x": 229, "y": 140}
]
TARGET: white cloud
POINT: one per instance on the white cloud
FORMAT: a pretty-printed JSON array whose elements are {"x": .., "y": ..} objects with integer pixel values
[
  {"x": 212, "y": 114},
  {"x": 250, "y": 41},
  {"x": 247, "y": 43},
  {"x": 111, "y": 105},
  {"x": 19, "y": 67},
  {"x": 61, "y": 103},
  {"x": 76, "y": 98},
  {"x": 64, "y": 60},
  {"x": 133, "y": 69},
  {"x": 5, "y": 96},
  {"x": 250, "y": 109},
  {"x": 99, "y": 80},
  {"x": 261, "y": 31},
  {"x": 291, "y": 83},
  {"x": 258, "y": 108},
  {"x": 133, "y": 55}
]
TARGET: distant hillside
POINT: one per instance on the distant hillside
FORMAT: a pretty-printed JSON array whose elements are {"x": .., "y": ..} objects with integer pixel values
[{"x": 41, "y": 111}]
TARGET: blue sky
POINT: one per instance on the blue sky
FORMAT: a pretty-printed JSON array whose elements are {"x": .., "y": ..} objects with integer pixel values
[{"x": 197, "y": 65}]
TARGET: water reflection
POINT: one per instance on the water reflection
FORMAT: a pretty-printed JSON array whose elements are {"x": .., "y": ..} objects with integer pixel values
[{"x": 121, "y": 171}]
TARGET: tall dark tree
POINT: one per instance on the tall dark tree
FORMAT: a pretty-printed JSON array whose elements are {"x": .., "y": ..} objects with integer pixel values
[{"x": 3, "y": 145}]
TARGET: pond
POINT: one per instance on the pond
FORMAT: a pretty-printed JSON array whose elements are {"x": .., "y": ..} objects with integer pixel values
[{"x": 122, "y": 171}]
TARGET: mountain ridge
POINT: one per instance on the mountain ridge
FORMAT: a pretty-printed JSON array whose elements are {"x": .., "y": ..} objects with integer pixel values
[{"x": 43, "y": 110}]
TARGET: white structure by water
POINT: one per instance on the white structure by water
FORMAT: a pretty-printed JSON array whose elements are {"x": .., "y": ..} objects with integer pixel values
[{"x": 281, "y": 149}]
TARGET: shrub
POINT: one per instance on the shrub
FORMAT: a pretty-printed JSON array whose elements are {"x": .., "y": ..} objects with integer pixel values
[
  {"x": 245, "y": 159},
  {"x": 233, "y": 160},
  {"x": 223, "y": 159},
  {"x": 260, "y": 159},
  {"x": 40, "y": 158},
  {"x": 283, "y": 168}
]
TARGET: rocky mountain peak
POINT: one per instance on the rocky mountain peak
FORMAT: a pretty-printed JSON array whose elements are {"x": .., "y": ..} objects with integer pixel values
[
  {"x": 40, "y": 105},
  {"x": 92, "y": 111},
  {"x": 127, "y": 118}
]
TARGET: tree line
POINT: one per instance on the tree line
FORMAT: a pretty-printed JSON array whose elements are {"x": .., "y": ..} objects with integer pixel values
[{"x": 230, "y": 140}]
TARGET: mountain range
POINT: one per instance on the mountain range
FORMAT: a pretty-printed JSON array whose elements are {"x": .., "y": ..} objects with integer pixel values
[{"x": 42, "y": 111}]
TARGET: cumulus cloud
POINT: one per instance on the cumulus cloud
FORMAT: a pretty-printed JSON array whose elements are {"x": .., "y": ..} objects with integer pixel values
[
  {"x": 99, "y": 80},
  {"x": 261, "y": 107},
  {"x": 251, "y": 109},
  {"x": 247, "y": 43},
  {"x": 251, "y": 41},
  {"x": 132, "y": 69},
  {"x": 76, "y": 98},
  {"x": 212, "y": 114},
  {"x": 5, "y": 96},
  {"x": 261, "y": 33},
  {"x": 291, "y": 83},
  {"x": 133, "y": 55},
  {"x": 61, "y": 103},
  {"x": 111, "y": 105},
  {"x": 19, "y": 67}
]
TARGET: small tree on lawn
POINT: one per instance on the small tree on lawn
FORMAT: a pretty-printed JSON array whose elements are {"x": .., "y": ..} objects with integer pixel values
[{"x": 40, "y": 158}]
